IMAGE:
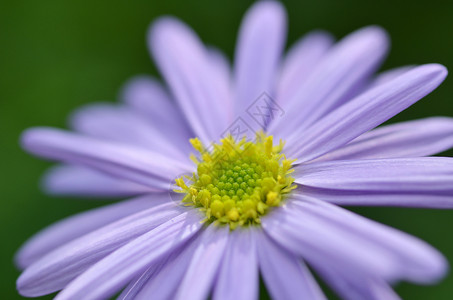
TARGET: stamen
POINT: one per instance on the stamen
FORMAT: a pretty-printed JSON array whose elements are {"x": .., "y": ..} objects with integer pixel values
[{"x": 237, "y": 182}]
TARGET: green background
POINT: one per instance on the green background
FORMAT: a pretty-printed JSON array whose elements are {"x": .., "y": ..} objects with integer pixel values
[{"x": 58, "y": 55}]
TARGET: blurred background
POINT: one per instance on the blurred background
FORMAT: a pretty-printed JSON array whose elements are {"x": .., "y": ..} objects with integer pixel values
[{"x": 58, "y": 55}]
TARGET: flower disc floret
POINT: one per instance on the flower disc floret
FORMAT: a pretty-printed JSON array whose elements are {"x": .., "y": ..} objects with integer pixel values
[{"x": 237, "y": 182}]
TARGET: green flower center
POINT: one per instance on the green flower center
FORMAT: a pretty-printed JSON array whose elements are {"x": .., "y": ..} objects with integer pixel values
[{"x": 237, "y": 182}]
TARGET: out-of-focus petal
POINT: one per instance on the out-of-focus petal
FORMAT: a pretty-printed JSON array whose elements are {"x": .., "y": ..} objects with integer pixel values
[
  {"x": 388, "y": 76},
  {"x": 186, "y": 66},
  {"x": 407, "y": 139},
  {"x": 285, "y": 275},
  {"x": 58, "y": 267},
  {"x": 258, "y": 52},
  {"x": 222, "y": 77},
  {"x": 109, "y": 275},
  {"x": 238, "y": 275},
  {"x": 342, "y": 71},
  {"x": 365, "y": 112},
  {"x": 122, "y": 124},
  {"x": 131, "y": 163},
  {"x": 68, "y": 180},
  {"x": 300, "y": 61},
  {"x": 363, "y": 287},
  {"x": 147, "y": 97}
]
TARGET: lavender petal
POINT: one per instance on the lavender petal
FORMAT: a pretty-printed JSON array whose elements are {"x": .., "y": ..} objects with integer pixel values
[
  {"x": 109, "y": 275},
  {"x": 300, "y": 61},
  {"x": 119, "y": 160},
  {"x": 80, "y": 224},
  {"x": 285, "y": 275},
  {"x": 413, "y": 182},
  {"x": 200, "y": 274},
  {"x": 68, "y": 180},
  {"x": 407, "y": 139},
  {"x": 363, "y": 287},
  {"x": 332, "y": 236},
  {"x": 186, "y": 66},
  {"x": 260, "y": 43},
  {"x": 165, "y": 283},
  {"x": 57, "y": 268},
  {"x": 122, "y": 124},
  {"x": 238, "y": 274},
  {"x": 341, "y": 72},
  {"x": 147, "y": 97},
  {"x": 365, "y": 112}
]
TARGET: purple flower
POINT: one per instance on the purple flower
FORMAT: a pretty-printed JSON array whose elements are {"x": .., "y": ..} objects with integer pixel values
[{"x": 246, "y": 206}]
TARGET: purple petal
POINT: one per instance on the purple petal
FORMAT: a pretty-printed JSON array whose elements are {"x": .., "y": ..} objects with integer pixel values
[
  {"x": 109, "y": 275},
  {"x": 408, "y": 139},
  {"x": 328, "y": 235},
  {"x": 137, "y": 284},
  {"x": 68, "y": 180},
  {"x": 75, "y": 226},
  {"x": 365, "y": 112},
  {"x": 186, "y": 66},
  {"x": 388, "y": 76},
  {"x": 238, "y": 274},
  {"x": 119, "y": 160},
  {"x": 165, "y": 283},
  {"x": 318, "y": 241},
  {"x": 414, "y": 182},
  {"x": 260, "y": 43},
  {"x": 364, "y": 287},
  {"x": 147, "y": 97},
  {"x": 342, "y": 71},
  {"x": 122, "y": 124},
  {"x": 285, "y": 275},
  {"x": 222, "y": 77},
  {"x": 200, "y": 275},
  {"x": 57, "y": 268},
  {"x": 300, "y": 61}
]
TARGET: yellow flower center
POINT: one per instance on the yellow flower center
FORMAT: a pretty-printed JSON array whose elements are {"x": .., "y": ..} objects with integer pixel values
[{"x": 237, "y": 182}]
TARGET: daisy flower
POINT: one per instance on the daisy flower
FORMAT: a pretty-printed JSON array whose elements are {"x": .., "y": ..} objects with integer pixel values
[{"x": 239, "y": 173}]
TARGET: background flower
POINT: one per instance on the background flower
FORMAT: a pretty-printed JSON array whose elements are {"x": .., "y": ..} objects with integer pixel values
[{"x": 61, "y": 55}]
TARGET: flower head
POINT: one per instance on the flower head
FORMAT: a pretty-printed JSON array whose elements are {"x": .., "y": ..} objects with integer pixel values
[
  {"x": 238, "y": 181},
  {"x": 279, "y": 143}
]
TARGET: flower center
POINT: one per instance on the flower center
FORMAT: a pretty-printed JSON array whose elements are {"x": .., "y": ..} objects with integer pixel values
[{"x": 237, "y": 182}]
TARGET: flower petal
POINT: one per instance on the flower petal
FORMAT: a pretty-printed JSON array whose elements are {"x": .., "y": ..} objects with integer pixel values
[
  {"x": 204, "y": 264},
  {"x": 342, "y": 71},
  {"x": 122, "y": 124},
  {"x": 413, "y": 182},
  {"x": 239, "y": 268},
  {"x": 388, "y": 76},
  {"x": 75, "y": 226},
  {"x": 186, "y": 66},
  {"x": 165, "y": 283},
  {"x": 119, "y": 160},
  {"x": 68, "y": 180},
  {"x": 364, "y": 287},
  {"x": 259, "y": 47},
  {"x": 332, "y": 236},
  {"x": 407, "y": 139},
  {"x": 285, "y": 275},
  {"x": 57, "y": 268},
  {"x": 110, "y": 274},
  {"x": 300, "y": 61},
  {"x": 147, "y": 97},
  {"x": 221, "y": 75},
  {"x": 365, "y": 112}
]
